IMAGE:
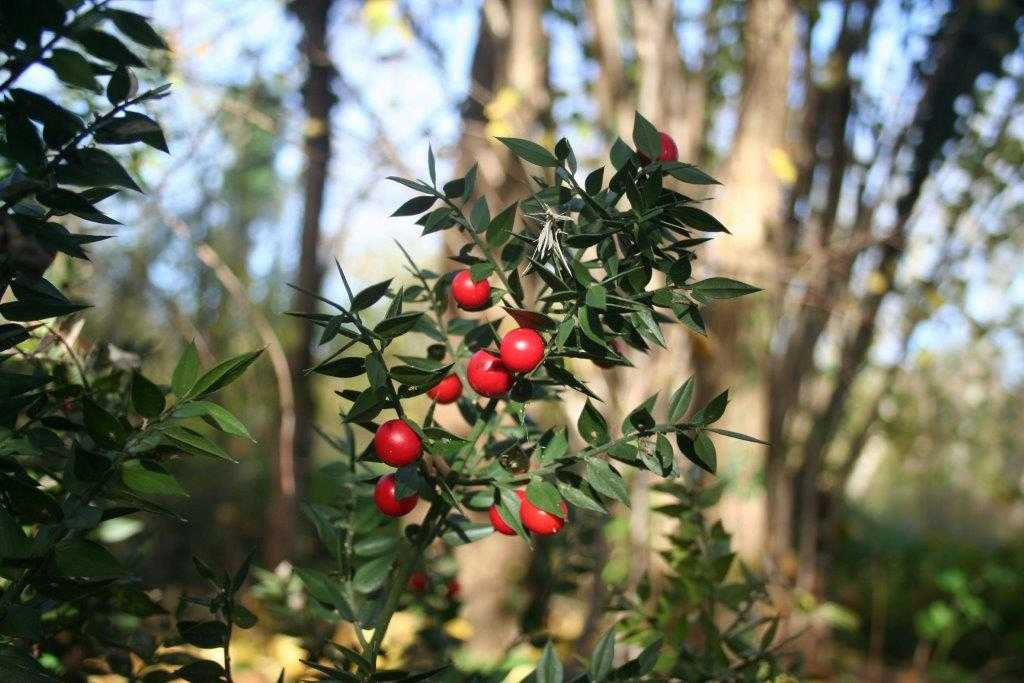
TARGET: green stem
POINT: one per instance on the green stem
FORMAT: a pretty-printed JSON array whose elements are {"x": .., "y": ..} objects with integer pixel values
[
  {"x": 485, "y": 250},
  {"x": 405, "y": 566}
]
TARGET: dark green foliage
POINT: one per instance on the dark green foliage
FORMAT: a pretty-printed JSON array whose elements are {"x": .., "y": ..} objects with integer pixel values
[
  {"x": 87, "y": 442},
  {"x": 710, "y": 616}
]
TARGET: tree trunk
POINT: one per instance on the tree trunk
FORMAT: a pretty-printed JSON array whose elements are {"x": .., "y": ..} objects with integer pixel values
[
  {"x": 750, "y": 204},
  {"x": 288, "y": 476}
]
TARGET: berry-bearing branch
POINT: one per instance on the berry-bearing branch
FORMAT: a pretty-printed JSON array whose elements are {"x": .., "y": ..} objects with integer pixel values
[{"x": 605, "y": 264}]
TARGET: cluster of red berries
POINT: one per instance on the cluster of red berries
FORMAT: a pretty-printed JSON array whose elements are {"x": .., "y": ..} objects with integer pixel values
[
  {"x": 521, "y": 350},
  {"x": 490, "y": 375}
]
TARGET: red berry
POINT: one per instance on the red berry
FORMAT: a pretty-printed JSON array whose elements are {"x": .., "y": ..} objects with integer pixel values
[
  {"x": 418, "y": 582},
  {"x": 522, "y": 349},
  {"x": 453, "y": 589},
  {"x": 498, "y": 522},
  {"x": 669, "y": 151},
  {"x": 384, "y": 497},
  {"x": 469, "y": 295},
  {"x": 397, "y": 444},
  {"x": 488, "y": 375},
  {"x": 540, "y": 522},
  {"x": 447, "y": 390}
]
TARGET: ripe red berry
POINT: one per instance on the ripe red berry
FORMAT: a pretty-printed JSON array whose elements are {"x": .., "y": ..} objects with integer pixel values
[
  {"x": 397, "y": 444},
  {"x": 498, "y": 522},
  {"x": 669, "y": 151},
  {"x": 453, "y": 589},
  {"x": 540, "y": 522},
  {"x": 384, "y": 497},
  {"x": 522, "y": 349},
  {"x": 469, "y": 295},
  {"x": 447, "y": 390},
  {"x": 418, "y": 582},
  {"x": 488, "y": 375}
]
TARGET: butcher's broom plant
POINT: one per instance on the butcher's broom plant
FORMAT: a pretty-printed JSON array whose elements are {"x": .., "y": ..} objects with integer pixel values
[{"x": 588, "y": 266}]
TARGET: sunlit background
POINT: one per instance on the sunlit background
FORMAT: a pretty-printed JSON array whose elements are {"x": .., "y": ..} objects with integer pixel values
[{"x": 870, "y": 154}]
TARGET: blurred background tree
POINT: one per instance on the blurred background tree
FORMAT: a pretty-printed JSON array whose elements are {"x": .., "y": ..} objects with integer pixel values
[{"x": 870, "y": 154}]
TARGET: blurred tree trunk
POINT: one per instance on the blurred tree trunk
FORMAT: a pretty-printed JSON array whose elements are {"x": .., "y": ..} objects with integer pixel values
[
  {"x": 317, "y": 99},
  {"x": 509, "y": 95},
  {"x": 750, "y": 203}
]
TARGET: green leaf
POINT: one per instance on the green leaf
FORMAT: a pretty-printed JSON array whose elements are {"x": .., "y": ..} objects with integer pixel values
[
  {"x": 13, "y": 541},
  {"x": 373, "y": 546},
  {"x": 545, "y": 496},
  {"x": 150, "y": 479},
  {"x": 92, "y": 167},
  {"x": 136, "y": 27},
  {"x": 531, "y": 319},
  {"x": 461, "y": 532},
  {"x": 218, "y": 416},
  {"x": 342, "y": 367},
  {"x": 646, "y": 137},
  {"x": 592, "y": 425},
  {"x": 86, "y": 560},
  {"x": 557, "y": 447},
  {"x": 480, "y": 215},
  {"x": 129, "y": 128},
  {"x": 722, "y": 288},
  {"x": 186, "y": 371},
  {"x": 699, "y": 450},
  {"x": 712, "y": 411},
  {"x": 203, "y": 634},
  {"x": 698, "y": 219},
  {"x": 603, "y": 657},
  {"x": 73, "y": 69},
  {"x": 605, "y": 480},
  {"x": 549, "y": 668},
  {"x": 121, "y": 85},
  {"x": 23, "y": 141},
  {"x": 371, "y": 576},
  {"x": 369, "y": 296},
  {"x": 579, "y": 498},
  {"x": 147, "y": 398},
  {"x": 104, "y": 428},
  {"x": 530, "y": 151},
  {"x": 107, "y": 48},
  {"x": 201, "y": 671},
  {"x": 415, "y": 206},
  {"x": 78, "y": 204},
  {"x": 195, "y": 443},
  {"x": 597, "y": 297},
  {"x": 500, "y": 227},
  {"x": 223, "y": 374},
  {"x": 737, "y": 435},
  {"x": 688, "y": 173},
  {"x": 397, "y": 326},
  {"x": 324, "y": 588},
  {"x": 681, "y": 399}
]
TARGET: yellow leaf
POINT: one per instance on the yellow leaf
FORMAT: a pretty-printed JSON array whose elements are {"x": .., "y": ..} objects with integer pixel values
[
  {"x": 379, "y": 14},
  {"x": 782, "y": 166},
  {"x": 459, "y": 628},
  {"x": 877, "y": 283}
]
